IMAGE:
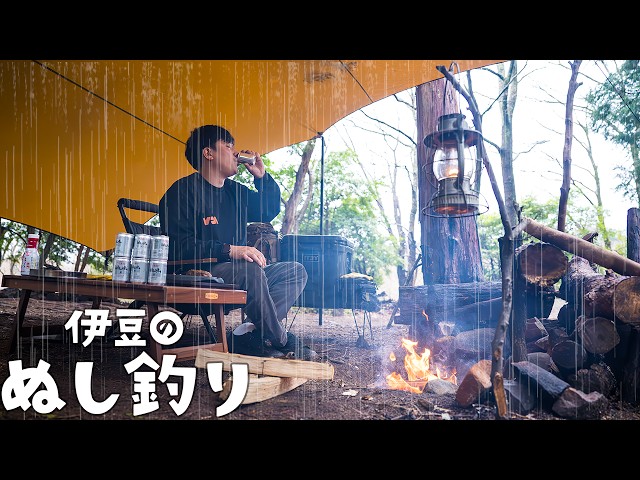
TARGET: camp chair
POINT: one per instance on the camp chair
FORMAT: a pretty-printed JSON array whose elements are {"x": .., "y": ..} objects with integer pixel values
[{"x": 137, "y": 228}]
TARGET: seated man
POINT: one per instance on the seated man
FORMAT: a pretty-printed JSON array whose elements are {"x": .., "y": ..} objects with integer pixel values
[{"x": 205, "y": 215}]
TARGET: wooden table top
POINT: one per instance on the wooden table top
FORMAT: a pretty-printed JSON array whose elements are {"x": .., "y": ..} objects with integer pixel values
[{"x": 165, "y": 294}]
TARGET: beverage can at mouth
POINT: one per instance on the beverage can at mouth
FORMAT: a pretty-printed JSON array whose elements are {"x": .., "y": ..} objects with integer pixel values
[{"x": 246, "y": 159}]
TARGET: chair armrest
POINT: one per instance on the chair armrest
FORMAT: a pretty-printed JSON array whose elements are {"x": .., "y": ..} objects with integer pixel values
[
  {"x": 192, "y": 261},
  {"x": 181, "y": 267}
]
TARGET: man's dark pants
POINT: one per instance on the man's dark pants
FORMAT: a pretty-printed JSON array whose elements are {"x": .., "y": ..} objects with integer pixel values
[{"x": 271, "y": 291}]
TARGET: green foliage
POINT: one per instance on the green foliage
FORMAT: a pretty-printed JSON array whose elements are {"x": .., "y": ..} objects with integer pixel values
[
  {"x": 244, "y": 177},
  {"x": 614, "y": 107},
  {"x": 489, "y": 231},
  {"x": 580, "y": 221},
  {"x": 12, "y": 244},
  {"x": 349, "y": 210},
  {"x": 62, "y": 254}
]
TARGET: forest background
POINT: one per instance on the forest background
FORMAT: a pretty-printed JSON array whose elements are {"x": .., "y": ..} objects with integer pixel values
[{"x": 369, "y": 169}]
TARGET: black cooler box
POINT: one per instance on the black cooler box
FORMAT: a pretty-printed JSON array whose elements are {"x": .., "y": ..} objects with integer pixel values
[{"x": 331, "y": 252}]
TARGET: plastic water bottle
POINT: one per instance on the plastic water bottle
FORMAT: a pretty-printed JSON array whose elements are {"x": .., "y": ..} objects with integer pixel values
[{"x": 31, "y": 257}]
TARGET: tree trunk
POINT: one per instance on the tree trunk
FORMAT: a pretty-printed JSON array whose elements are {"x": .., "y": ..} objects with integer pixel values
[
  {"x": 508, "y": 86},
  {"x": 291, "y": 214},
  {"x": 85, "y": 260},
  {"x": 566, "y": 151},
  {"x": 79, "y": 255},
  {"x": 450, "y": 246},
  {"x": 633, "y": 234}
]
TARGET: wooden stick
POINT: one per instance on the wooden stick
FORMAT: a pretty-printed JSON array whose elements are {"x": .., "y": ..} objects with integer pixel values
[{"x": 582, "y": 248}]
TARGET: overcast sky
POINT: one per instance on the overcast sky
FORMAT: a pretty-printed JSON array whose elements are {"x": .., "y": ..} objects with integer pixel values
[{"x": 538, "y": 117}]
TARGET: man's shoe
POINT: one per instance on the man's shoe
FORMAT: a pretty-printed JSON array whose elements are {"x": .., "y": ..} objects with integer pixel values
[
  {"x": 252, "y": 344},
  {"x": 295, "y": 349}
]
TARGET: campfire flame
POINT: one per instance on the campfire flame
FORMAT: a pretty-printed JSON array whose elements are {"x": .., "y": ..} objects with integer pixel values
[{"x": 418, "y": 370}]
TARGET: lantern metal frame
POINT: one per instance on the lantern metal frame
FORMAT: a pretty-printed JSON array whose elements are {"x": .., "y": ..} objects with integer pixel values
[{"x": 456, "y": 196}]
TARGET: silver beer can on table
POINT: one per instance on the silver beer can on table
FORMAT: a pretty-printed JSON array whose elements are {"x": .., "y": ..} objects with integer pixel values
[
  {"x": 121, "y": 269},
  {"x": 141, "y": 246},
  {"x": 159, "y": 247},
  {"x": 139, "y": 270},
  {"x": 124, "y": 245},
  {"x": 157, "y": 272}
]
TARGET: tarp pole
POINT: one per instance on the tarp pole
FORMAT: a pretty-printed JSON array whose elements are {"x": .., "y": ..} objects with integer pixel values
[{"x": 321, "y": 229}]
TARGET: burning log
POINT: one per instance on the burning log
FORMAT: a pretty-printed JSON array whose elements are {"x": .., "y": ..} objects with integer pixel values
[
  {"x": 462, "y": 312},
  {"x": 468, "y": 306},
  {"x": 419, "y": 369}
]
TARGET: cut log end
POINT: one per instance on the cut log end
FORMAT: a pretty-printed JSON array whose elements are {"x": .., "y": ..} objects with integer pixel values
[
  {"x": 541, "y": 263},
  {"x": 626, "y": 300}
]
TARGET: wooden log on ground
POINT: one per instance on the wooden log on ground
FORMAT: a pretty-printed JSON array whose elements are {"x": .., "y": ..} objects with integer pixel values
[
  {"x": 263, "y": 388},
  {"x": 617, "y": 357},
  {"x": 275, "y": 367},
  {"x": 626, "y": 300},
  {"x": 598, "y": 335},
  {"x": 597, "y": 378},
  {"x": 534, "y": 330},
  {"x": 486, "y": 314},
  {"x": 567, "y": 317},
  {"x": 590, "y": 293},
  {"x": 478, "y": 304},
  {"x": 442, "y": 297},
  {"x": 576, "y": 245},
  {"x": 475, "y": 385},
  {"x": 569, "y": 356},
  {"x": 548, "y": 387}
]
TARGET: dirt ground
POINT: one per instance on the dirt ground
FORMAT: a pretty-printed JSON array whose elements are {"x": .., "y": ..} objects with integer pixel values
[{"x": 357, "y": 392}]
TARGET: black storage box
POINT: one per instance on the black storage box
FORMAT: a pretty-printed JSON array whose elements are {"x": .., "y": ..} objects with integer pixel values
[{"x": 333, "y": 253}]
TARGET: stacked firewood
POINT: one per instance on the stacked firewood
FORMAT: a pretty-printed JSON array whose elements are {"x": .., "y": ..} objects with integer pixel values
[
  {"x": 601, "y": 319},
  {"x": 575, "y": 363}
]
